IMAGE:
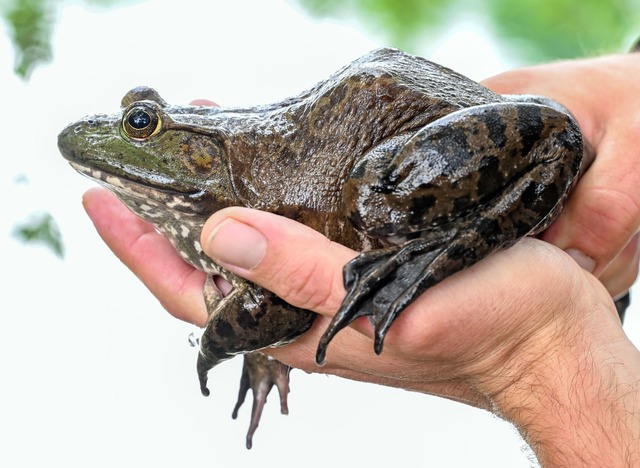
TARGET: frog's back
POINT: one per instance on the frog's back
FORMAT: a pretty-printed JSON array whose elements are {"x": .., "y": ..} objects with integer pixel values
[
  {"x": 383, "y": 95},
  {"x": 392, "y": 74}
]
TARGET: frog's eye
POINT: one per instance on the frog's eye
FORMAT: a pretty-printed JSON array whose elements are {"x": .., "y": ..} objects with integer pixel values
[{"x": 141, "y": 122}]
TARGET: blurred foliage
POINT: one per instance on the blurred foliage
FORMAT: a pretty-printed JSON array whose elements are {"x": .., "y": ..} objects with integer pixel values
[
  {"x": 30, "y": 25},
  {"x": 41, "y": 228},
  {"x": 402, "y": 21},
  {"x": 532, "y": 30},
  {"x": 567, "y": 28}
]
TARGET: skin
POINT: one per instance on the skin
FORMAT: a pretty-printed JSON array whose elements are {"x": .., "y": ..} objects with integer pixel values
[{"x": 525, "y": 333}]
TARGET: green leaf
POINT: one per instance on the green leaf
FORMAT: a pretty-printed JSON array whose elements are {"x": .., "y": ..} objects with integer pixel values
[
  {"x": 403, "y": 22},
  {"x": 30, "y": 25},
  {"x": 41, "y": 228},
  {"x": 563, "y": 29},
  {"x": 532, "y": 30}
]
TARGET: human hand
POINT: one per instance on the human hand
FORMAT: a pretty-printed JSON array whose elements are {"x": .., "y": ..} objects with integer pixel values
[
  {"x": 305, "y": 268},
  {"x": 493, "y": 306},
  {"x": 525, "y": 333},
  {"x": 149, "y": 255},
  {"x": 599, "y": 224}
]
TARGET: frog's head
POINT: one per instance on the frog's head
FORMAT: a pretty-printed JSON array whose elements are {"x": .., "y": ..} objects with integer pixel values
[{"x": 153, "y": 151}]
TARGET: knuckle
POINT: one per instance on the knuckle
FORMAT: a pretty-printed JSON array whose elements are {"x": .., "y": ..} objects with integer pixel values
[
  {"x": 309, "y": 286},
  {"x": 622, "y": 273},
  {"x": 612, "y": 218}
]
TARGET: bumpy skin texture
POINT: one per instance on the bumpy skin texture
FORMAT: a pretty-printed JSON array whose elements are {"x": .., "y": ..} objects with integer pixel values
[{"x": 424, "y": 170}]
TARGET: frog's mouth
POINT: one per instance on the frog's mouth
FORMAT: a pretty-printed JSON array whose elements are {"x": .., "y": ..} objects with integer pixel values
[{"x": 171, "y": 198}]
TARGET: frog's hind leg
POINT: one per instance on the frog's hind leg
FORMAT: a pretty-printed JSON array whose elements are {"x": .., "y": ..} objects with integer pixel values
[
  {"x": 460, "y": 188},
  {"x": 396, "y": 274},
  {"x": 247, "y": 319},
  {"x": 244, "y": 321}
]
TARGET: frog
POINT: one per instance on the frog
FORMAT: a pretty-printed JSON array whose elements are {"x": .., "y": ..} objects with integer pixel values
[{"x": 420, "y": 169}]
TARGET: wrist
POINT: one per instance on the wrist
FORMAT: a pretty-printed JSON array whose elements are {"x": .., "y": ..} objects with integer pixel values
[{"x": 575, "y": 394}]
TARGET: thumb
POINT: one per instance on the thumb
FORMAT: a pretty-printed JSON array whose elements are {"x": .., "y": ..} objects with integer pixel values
[{"x": 293, "y": 261}]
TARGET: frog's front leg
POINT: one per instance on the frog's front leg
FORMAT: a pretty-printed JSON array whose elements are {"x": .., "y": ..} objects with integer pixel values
[
  {"x": 446, "y": 197},
  {"x": 249, "y": 318}
]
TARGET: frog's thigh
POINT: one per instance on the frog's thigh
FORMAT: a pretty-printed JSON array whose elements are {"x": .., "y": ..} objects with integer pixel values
[{"x": 455, "y": 165}]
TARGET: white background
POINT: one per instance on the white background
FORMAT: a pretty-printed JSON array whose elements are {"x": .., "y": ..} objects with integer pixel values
[{"x": 92, "y": 371}]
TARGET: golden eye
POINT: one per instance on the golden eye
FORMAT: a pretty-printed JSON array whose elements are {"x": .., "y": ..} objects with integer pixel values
[{"x": 141, "y": 122}]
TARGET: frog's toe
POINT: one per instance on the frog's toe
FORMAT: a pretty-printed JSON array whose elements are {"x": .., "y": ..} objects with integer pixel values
[
  {"x": 380, "y": 284},
  {"x": 260, "y": 373},
  {"x": 203, "y": 366}
]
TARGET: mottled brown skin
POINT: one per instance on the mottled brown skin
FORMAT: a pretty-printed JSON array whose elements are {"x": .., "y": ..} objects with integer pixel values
[{"x": 424, "y": 170}]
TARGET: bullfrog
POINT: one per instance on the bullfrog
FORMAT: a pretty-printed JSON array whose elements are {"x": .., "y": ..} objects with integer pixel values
[{"x": 418, "y": 167}]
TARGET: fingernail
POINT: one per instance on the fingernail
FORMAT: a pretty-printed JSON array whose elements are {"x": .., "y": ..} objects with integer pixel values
[
  {"x": 237, "y": 244},
  {"x": 582, "y": 259}
]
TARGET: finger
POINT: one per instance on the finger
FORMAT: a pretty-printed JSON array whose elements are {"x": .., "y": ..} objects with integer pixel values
[
  {"x": 204, "y": 102},
  {"x": 623, "y": 270},
  {"x": 603, "y": 212},
  {"x": 351, "y": 357},
  {"x": 550, "y": 80},
  {"x": 149, "y": 255},
  {"x": 295, "y": 262}
]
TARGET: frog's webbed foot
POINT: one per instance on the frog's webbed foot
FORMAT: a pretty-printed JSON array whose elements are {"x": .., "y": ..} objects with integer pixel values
[
  {"x": 381, "y": 283},
  {"x": 260, "y": 373}
]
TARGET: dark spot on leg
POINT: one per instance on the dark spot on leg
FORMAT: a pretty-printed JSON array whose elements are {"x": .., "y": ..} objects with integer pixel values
[
  {"x": 546, "y": 198},
  {"x": 419, "y": 207},
  {"x": 461, "y": 203},
  {"x": 488, "y": 229},
  {"x": 497, "y": 129},
  {"x": 530, "y": 126},
  {"x": 440, "y": 220},
  {"x": 245, "y": 319},
  {"x": 224, "y": 329},
  {"x": 387, "y": 183},
  {"x": 529, "y": 194},
  {"x": 461, "y": 254},
  {"x": 490, "y": 180},
  {"x": 457, "y": 252},
  {"x": 279, "y": 302}
]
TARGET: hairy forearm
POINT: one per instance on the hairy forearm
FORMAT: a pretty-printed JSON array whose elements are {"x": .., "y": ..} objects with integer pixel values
[{"x": 579, "y": 405}]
